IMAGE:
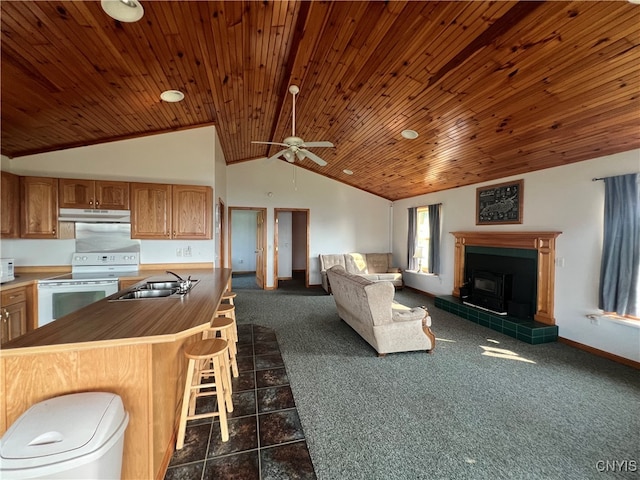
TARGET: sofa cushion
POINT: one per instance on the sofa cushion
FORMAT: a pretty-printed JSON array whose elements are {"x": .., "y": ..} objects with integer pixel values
[
  {"x": 378, "y": 262},
  {"x": 328, "y": 261},
  {"x": 356, "y": 263},
  {"x": 389, "y": 277}
]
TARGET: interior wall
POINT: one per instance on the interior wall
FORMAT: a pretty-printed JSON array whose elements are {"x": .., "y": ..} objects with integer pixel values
[
  {"x": 243, "y": 240},
  {"x": 342, "y": 218},
  {"x": 183, "y": 157},
  {"x": 299, "y": 241},
  {"x": 285, "y": 244},
  {"x": 559, "y": 199}
]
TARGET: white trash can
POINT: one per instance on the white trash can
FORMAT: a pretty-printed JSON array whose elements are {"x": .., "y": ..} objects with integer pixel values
[{"x": 77, "y": 436}]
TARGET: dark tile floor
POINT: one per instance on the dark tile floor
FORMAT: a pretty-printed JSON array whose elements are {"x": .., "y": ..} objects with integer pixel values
[{"x": 266, "y": 441}]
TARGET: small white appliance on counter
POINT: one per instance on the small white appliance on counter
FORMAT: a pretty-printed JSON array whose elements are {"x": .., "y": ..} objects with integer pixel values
[
  {"x": 6, "y": 270},
  {"x": 94, "y": 276}
]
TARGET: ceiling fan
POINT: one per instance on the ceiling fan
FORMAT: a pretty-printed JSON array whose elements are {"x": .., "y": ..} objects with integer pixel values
[{"x": 297, "y": 147}]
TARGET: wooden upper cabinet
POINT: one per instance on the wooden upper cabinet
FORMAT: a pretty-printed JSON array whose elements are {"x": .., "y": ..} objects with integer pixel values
[
  {"x": 150, "y": 210},
  {"x": 160, "y": 211},
  {"x": 101, "y": 194},
  {"x": 192, "y": 212},
  {"x": 10, "y": 206},
  {"x": 38, "y": 207}
]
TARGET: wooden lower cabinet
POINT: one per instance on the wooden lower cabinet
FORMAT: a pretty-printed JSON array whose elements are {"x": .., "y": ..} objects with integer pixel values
[
  {"x": 149, "y": 377},
  {"x": 13, "y": 314}
]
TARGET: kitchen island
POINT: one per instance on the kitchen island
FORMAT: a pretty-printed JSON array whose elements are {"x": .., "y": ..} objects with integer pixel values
[{"x": 129, "y": 347}]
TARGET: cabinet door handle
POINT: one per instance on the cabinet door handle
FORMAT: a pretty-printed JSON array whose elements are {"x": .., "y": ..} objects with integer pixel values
[{"x": 90, "y": 202}]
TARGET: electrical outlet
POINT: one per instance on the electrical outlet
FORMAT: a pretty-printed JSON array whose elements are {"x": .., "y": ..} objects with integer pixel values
[
  {"x": 178, "y": 252},
  {"x": 241, "y": 261},
  {"x": 186, "y": 251}
]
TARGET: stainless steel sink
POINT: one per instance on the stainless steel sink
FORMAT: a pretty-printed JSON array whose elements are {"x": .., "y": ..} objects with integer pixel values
[
  {"x": 159, "y": 285},
  {"x": 157, "y": 289},
  {"x": 148, "y": 293}
]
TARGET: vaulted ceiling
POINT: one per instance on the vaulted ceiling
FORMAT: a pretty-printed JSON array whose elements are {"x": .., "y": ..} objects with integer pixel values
[{"x": 493, "y": 88}]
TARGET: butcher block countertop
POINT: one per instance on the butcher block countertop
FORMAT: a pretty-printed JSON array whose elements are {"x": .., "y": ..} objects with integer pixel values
[{"x": 129, "y": 322}]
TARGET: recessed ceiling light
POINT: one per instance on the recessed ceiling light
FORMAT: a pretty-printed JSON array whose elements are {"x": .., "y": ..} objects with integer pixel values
[
  {"x": 172, "y": 96},
  {"x": 410, "y": 134},
  {"x": 348, "y": 172},
  {"x": 123, "y": 10}
]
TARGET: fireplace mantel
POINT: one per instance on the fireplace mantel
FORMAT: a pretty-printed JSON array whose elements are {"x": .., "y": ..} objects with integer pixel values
[{"x": 543, "y": 242}]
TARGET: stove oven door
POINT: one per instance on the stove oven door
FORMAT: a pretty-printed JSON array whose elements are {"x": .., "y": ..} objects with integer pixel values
[{"x": 59, "y": 298}]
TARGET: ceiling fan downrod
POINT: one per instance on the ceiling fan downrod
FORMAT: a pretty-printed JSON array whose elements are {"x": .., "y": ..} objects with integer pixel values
[{"x": 294, "y": 90}]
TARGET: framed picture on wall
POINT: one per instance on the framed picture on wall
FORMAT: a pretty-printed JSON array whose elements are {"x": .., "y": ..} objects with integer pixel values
[{"x": 500, "y": 203}]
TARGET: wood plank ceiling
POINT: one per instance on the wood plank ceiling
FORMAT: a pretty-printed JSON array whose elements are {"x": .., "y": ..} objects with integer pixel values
[{"x": 493, "y": 88}]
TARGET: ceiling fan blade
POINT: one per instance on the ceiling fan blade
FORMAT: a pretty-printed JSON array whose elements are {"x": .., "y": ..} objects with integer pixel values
[
  {"x": 319, "y": 144},
  {"x": 271, "y": 143},
  {"x": 280, "y": 153},
  {"x": 312, "y": 156}
]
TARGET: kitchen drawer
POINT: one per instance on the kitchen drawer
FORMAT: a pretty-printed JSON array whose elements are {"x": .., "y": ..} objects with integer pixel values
[{"x": 15, "y": 295}]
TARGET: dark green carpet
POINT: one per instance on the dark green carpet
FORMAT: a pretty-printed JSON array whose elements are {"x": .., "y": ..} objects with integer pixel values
[{"x": 483, "y": 405}]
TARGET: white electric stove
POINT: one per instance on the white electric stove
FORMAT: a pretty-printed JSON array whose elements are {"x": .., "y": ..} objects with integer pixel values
[{"x": 94, "y": 275}]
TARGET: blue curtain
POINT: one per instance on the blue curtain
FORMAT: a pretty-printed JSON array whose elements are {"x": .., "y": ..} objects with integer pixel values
[
  {"x": 433, "y": 261},
  {"x": 620, "y": 267},
  {"x": 412, "y": 264}
]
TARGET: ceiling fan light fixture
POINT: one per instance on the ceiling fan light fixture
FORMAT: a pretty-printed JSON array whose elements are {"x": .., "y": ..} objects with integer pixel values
[
  {"x": 172, "y": 96},
  {"x": 128, "y": 11},
  {"x": 409, "y": 134},
  {"x": 288, "y": 156}
]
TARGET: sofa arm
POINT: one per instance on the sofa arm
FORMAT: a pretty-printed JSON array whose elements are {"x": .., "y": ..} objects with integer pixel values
[{"x": 404, "y": 314}]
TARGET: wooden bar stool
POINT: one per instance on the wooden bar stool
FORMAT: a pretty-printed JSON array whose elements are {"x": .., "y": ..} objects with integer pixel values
[
  {"x": 208, "y": 359},
  {"x": 228, "y": 310},
  {"x": 229, "y": 296},
  {"x": 227, "y": 328}
]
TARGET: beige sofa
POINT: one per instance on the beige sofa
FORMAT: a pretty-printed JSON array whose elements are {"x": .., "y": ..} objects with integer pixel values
[
  {"x": 368, "y": 307},
  {"x": 375, "y": 267}
]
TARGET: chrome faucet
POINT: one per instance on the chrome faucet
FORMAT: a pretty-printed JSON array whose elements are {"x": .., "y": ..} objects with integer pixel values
[
  {"x": 185, "y": 285},
  {"x": 175, "y": 275}
]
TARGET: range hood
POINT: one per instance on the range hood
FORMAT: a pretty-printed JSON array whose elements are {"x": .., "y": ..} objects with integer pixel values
[{"x": 91, "y": 215}]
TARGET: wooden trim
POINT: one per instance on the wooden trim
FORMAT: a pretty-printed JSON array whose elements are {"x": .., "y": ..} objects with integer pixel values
[
  {"x": 543, "y": 242},
  {"x": 601, "y": 353}
]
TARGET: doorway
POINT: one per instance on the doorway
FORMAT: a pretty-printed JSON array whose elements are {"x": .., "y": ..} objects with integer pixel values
[
  {"x": 291, "y": 246},
  {"x": 247, "y": 241}
]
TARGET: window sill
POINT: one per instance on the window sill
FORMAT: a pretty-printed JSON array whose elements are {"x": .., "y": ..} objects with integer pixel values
[
  {"x": 421, "y": 273},
  {"x": 616, "y": 319}
]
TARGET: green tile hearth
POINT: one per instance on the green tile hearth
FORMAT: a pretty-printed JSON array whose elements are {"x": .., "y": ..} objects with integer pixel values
[{"x": 528, "y": 331}]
